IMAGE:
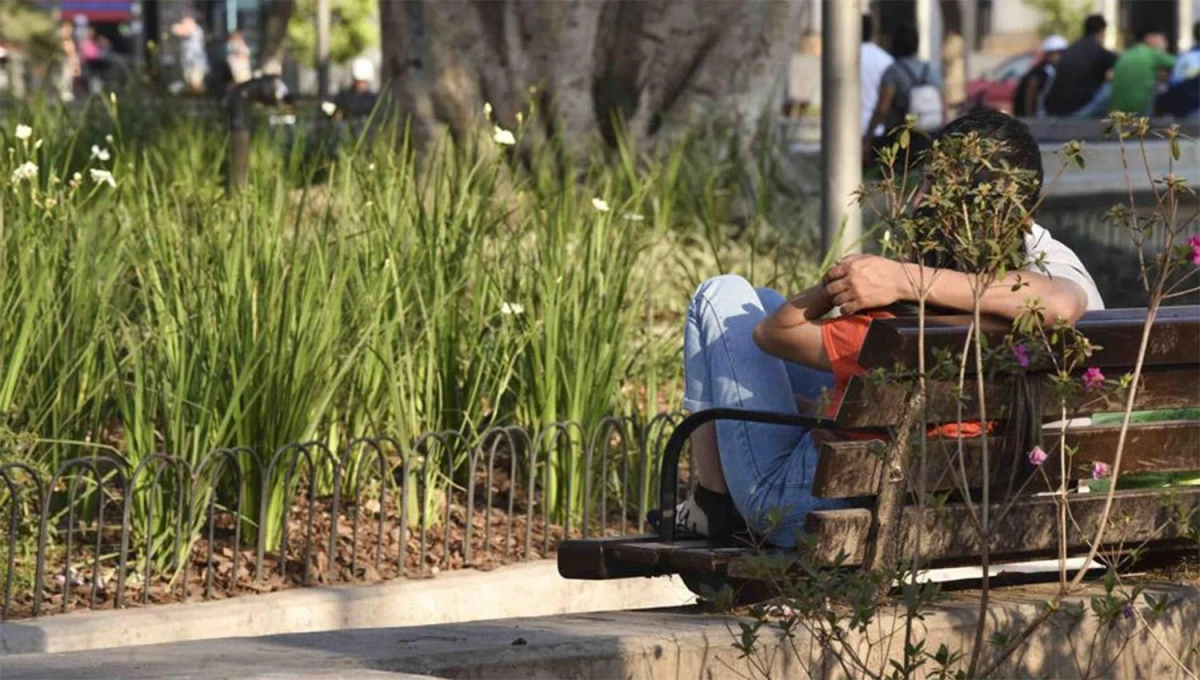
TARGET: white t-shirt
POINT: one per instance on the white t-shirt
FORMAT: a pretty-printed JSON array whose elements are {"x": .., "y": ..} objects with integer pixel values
[
  {"x": 1060, "y": 262},
  {"x": 872, "y": 62}
]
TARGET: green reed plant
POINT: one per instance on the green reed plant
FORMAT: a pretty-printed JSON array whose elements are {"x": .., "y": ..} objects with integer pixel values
[{"x": 366, "y": 290}]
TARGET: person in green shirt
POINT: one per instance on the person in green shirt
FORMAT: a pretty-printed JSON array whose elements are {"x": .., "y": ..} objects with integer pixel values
[{"x": 1137, "y": 71}]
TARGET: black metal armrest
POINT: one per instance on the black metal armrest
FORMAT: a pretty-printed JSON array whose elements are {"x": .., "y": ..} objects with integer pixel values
[{"x": 669, "y": 475}]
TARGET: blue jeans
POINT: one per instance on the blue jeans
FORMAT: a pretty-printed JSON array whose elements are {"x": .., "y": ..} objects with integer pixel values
[
  {"x": 767, "y": 467},
  {"x": 1098, "y": 106}
]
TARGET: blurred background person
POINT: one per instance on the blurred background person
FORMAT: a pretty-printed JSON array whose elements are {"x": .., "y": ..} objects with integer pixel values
[
  {"x": 94, "y": 51},
  {"x": 69, "y": 68},
  {"x": 1081, "y": 88},
  {"x": 873, "y": 61},
  {"x": 358, "y": 100},
  {"x": 1138, "y": 72},
  {"x": 1182, "y": 98},
  {"x": 1188, "y": 64},
  {"x": 1029, "y": 99},
  {"x": 237, "y": 58},
  {"x": 192, "y": 54},
  {"x": 909, "y": 85}
]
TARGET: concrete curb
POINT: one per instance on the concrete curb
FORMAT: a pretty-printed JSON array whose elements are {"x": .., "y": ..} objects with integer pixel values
[
  {"x": 650, "y": 645},
  {"x": 531, "y": 589}
]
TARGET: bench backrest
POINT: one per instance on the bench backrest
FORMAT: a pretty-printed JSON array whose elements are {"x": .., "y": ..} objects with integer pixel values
[{"x": 1170, "y": 380}]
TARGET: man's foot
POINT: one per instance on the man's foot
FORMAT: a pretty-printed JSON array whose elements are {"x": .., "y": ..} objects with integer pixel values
[{"x": 706, "y": 514}]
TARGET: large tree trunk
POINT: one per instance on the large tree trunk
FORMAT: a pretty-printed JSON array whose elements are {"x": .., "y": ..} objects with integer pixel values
[{"x": 651, "y": 63}]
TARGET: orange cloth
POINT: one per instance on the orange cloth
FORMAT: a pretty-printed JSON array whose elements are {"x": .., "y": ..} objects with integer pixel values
[{"x": 843, "y": 337}]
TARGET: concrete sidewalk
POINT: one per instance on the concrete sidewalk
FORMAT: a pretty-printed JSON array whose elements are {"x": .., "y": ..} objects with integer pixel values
[
  {"x": 529, "y": 589},
  {"x": 677, "y": 643}
]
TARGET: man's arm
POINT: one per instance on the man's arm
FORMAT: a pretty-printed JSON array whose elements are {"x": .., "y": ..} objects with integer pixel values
[
  {"x": 1166, "y": 60},
  {"x": 868, "y": 281},
  {"x": 790, "y": 332}
]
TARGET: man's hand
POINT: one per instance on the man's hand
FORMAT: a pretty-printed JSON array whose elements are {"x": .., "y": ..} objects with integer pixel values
[{"x": 861, "y": 282}]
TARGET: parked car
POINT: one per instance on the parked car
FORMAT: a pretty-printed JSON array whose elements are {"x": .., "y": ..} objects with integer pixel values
[{"x": 995, "y": 88}]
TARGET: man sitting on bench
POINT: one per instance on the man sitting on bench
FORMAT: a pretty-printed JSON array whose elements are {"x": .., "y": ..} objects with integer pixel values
[{"x": 750, "y": 348}]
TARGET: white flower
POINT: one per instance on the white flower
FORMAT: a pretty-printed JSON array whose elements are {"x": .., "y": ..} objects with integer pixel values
[
  {"x": 370, "y": 167},
  {"x": 24, "y": 132},
  {"x": 511, "y": 309},
  {"x": 77, "y": 177},
  {"x": 108, "y": 138},
  {"x": 102, "y": 177},
  {"x": 26, "y": 171},
  {"x": 487, "y": 109},
  {"x": 502, "y": 136},
  {"x": 100, "y": 154},
  {"x": 38, "y": 144},
  {"x": 329, "y": 108},
  {"x": 600, "y": 204}
]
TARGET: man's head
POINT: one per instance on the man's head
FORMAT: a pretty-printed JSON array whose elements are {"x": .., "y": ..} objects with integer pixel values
[
  {"x": 362, "y": 72},
  {"x": 1053, "y": 47},
  {"x": 868, "y": 28},
  {"x": 1018, "y": 147},
  {"x": 1095, "y": 26},
  {"x": 905, "y": 40},
  {"x": 948, "y": 189},
  {"x": 1152, "y": 36}
]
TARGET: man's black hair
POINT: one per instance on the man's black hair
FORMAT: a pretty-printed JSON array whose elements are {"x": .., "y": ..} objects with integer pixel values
[
  {"x": 1020, "y": 148},
  {"x": 1196, "y": 34},
  {"x": 1145, "y": 30},
  {"x": 905, "y": 40},
  {"x": 868, "y": 28},
  {"x": 1094, "y": 24}
]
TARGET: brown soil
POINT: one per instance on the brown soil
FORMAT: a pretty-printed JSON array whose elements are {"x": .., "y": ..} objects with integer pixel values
[{"x": 362, "y": 556}]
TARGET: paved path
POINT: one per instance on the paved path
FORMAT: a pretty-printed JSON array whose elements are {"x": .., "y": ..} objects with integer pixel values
[
  {"x": 675, "y": 643},
  {"x": 380, "y": 652}
]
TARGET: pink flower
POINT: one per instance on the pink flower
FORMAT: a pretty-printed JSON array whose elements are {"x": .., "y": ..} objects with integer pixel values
[
  {"x": 1093, "y": 378},
  {"x": 1100, "y": 470},
  {"x": 1022, "y": 355},
  {"x": 1037, "y": 456},
  {"x": 1194, "y": 242}
]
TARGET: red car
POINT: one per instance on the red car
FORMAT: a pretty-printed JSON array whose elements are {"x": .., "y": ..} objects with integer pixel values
[{"x": 995, "y": 88}]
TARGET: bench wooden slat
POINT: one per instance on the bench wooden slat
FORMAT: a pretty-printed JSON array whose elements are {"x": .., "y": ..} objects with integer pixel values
[
  {"x": 652, "y": 553},
  {"x": 1174, "y": 337},
  {"x": 867, "y": 406},
  {"x": 593, "y": 559},
  {"x": 1028, "y": 530},
  {"x": 849, "y": 469},
  {"x": 698, "y": 557}
]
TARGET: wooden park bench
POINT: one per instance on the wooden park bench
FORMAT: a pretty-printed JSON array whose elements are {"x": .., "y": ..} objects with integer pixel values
[{"x": 1028, "y": 530}]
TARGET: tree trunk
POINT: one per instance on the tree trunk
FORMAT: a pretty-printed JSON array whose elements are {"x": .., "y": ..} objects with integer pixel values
[
  {"x": 655, "y": 64},
  {"x": 276, "y": 14}
]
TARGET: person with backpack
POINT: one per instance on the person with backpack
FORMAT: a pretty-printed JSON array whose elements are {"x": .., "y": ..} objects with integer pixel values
[{"x": 909, "y": 86}]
